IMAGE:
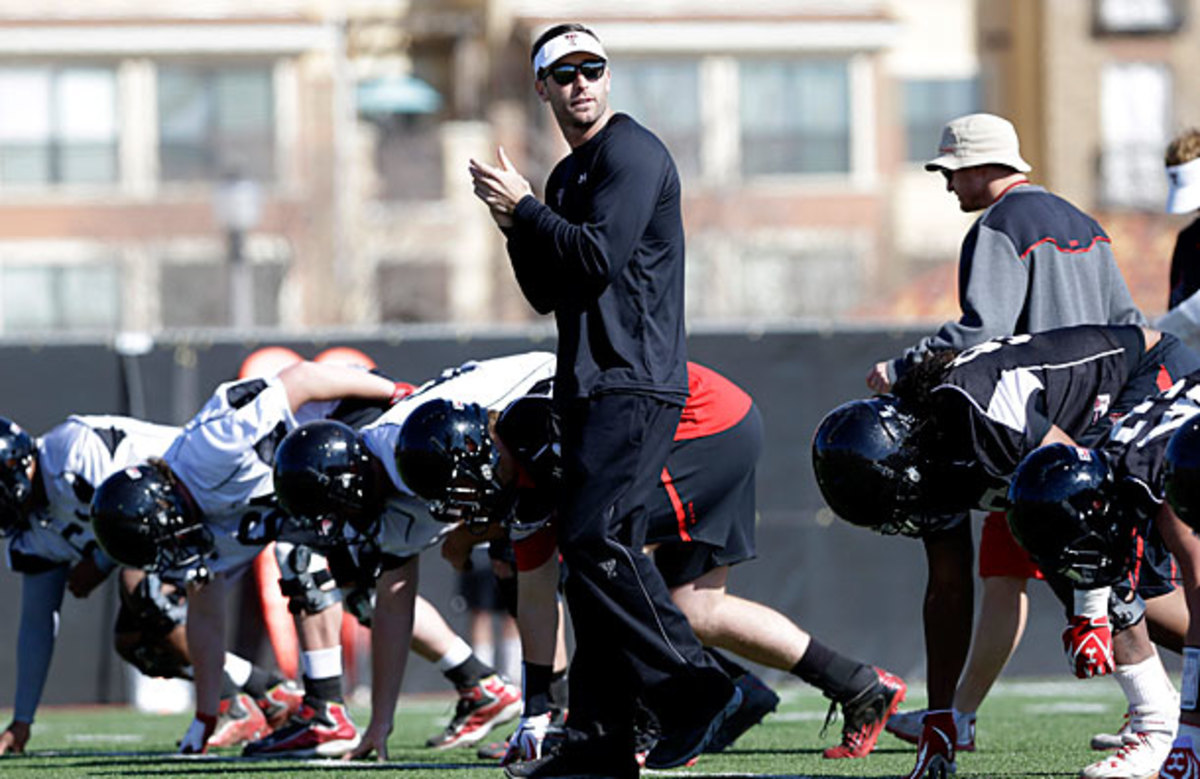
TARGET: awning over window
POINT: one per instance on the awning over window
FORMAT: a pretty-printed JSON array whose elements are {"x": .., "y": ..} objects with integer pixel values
[{"x": 397, "y": 95}]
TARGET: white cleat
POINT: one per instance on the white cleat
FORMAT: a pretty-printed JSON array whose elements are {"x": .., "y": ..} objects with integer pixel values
[{"x": 1139, "y": 757}]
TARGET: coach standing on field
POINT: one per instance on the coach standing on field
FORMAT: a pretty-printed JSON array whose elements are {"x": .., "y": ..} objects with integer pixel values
[{"x": 605, "y": 253}]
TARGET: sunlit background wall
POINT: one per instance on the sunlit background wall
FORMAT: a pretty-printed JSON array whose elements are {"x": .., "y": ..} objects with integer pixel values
[{"x": 302, "y": 165}]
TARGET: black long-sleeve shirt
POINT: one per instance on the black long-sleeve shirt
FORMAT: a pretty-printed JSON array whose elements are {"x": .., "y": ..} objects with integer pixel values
[
  {"x": 1185, "y": 265},
  {"x": 606, "y": 255}
]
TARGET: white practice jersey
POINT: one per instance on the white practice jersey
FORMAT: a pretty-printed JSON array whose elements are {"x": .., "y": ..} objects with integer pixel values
[
  {"x": 225, "y": 454},
  {"x": 73, "y": 458},
  {"x": 407, "y": 527}
]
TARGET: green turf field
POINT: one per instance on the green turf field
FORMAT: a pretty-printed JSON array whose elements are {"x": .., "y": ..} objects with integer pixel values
[{"x": 1031, "y": 729}]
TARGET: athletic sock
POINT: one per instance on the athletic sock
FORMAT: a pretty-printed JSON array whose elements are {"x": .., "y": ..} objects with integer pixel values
[
  {"x": 228, "y": 688},
  {"x": 558, "y": 690},
  {"x": 322, "y": 674},
  {"x": 324, "y": 690},
  {"x": 839, "y": 677},
  {"x": 536, "y": 692},
  {"x": 468, "y": 673},
  {"x": 258, "y": 683},
  {"x": 1150, "y": 694}
]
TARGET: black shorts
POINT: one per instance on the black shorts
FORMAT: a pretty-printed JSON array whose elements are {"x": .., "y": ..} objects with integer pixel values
[
  {"x": 702, "y": 514},
  {"x": 477, "y": 587},
  {"x": 1154, "y": 570}
]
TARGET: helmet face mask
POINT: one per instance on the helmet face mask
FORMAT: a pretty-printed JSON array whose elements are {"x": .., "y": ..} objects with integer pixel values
[
  {"x": 17, "y": 453},
  {"x": 324, "y": 480},
  {"x": 1063, "y": 510},
  {"x": 446, "y": 456},
  {"x": 142, "y": 519}
]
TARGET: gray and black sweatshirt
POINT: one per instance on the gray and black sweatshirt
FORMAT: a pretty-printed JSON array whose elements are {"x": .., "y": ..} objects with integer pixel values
[{"x": 1031, "y": 262}]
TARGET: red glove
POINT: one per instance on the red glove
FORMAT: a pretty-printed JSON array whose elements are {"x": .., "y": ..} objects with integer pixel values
[
  {"x": 1088, "y": 644},
  {"x": 403, "y": 390},
  {"x": 935, "y": 750}
]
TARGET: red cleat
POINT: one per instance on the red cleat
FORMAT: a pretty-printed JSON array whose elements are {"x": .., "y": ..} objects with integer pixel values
[
  {"x": 866, "y": 714},
  {"x": 480, "y": 708},
  {"x": 238, "y": 721},
  {"x": 321, "y": 731},
  {"x": 281, "y": 701}
]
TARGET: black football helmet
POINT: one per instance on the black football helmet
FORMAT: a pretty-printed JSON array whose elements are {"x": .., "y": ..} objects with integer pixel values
[
  {"x": 324, "y": 479},
  {"x": 529, "y": 429},
  {"x": 872, "y": 473},
  {"x": 1181, "y": 472},
  {"x": 1062, "y": 511},
  {"x": 445, "y": 455},
  {"x": 17, "y": 452},
  {"x": 142, "y": 519}
]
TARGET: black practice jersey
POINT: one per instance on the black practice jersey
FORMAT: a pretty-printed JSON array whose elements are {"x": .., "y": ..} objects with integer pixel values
[
  {"x": 1137, "y": 444},
  {"x": 1000, "y": 398}
]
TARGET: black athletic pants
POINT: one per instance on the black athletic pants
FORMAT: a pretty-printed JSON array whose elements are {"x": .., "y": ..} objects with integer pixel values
[{"x": 631, "y": 640}]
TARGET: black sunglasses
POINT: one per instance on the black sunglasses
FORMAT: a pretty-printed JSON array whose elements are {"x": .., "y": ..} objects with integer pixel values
[{"x": 565, "y": 73}]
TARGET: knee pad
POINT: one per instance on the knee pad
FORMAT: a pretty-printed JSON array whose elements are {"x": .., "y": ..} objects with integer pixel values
[
  {"x": 305, "y": 579},
  {"x": 1125, "y": 614},
  {"x": 360, "y": 602}
]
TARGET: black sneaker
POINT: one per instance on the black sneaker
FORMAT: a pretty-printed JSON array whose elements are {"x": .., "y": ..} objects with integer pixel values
[
  {"x": 758, "y": 700},
  {"x": 677, "y": 747},
  {"x": 577, "y": 760}
]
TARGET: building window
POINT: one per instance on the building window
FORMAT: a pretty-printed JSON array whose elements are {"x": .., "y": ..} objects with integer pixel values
[
  {"x": 215, "y": 121},
  {"x": 794, "y": 116},
  {"x": 663, "y": 95},
  {"x": 1137, "y": 16},
  {"x": 928, "y": 105},
  {"x": 58, "y": 126},
  {"x": 1135, "y": 111},
  {"x": 60, "y": 298}
]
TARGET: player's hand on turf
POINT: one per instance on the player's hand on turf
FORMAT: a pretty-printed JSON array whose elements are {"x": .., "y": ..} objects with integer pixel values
[
  {"x": 935, "y": 750},
  {"x": 195, "y": 741},
  {"x": 374, "y": 739},
  {"x": 14, "y": 738},
  {"x": 1088, "y": 644},
  {"x": 877, "y": 378},
  {"x": 85, "y": 577},
  {"x": 526, "y": 743}
]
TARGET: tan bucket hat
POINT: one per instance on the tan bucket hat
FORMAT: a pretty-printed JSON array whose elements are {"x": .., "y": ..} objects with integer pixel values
[{"x": 978, "y": 139}]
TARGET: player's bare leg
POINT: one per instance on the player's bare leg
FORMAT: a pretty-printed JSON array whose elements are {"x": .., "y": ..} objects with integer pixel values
[
  {"x": 485, "y": 700},
  {"x": 762, "y": 634}
]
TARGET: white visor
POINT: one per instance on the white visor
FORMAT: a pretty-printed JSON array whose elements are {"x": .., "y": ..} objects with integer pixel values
[
  {"x": 1184, "y": 183},
  {"x": 561, "y": 45}
]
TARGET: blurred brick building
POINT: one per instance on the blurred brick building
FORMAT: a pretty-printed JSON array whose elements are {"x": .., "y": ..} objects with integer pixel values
[{"x": 798, "y": 127}]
